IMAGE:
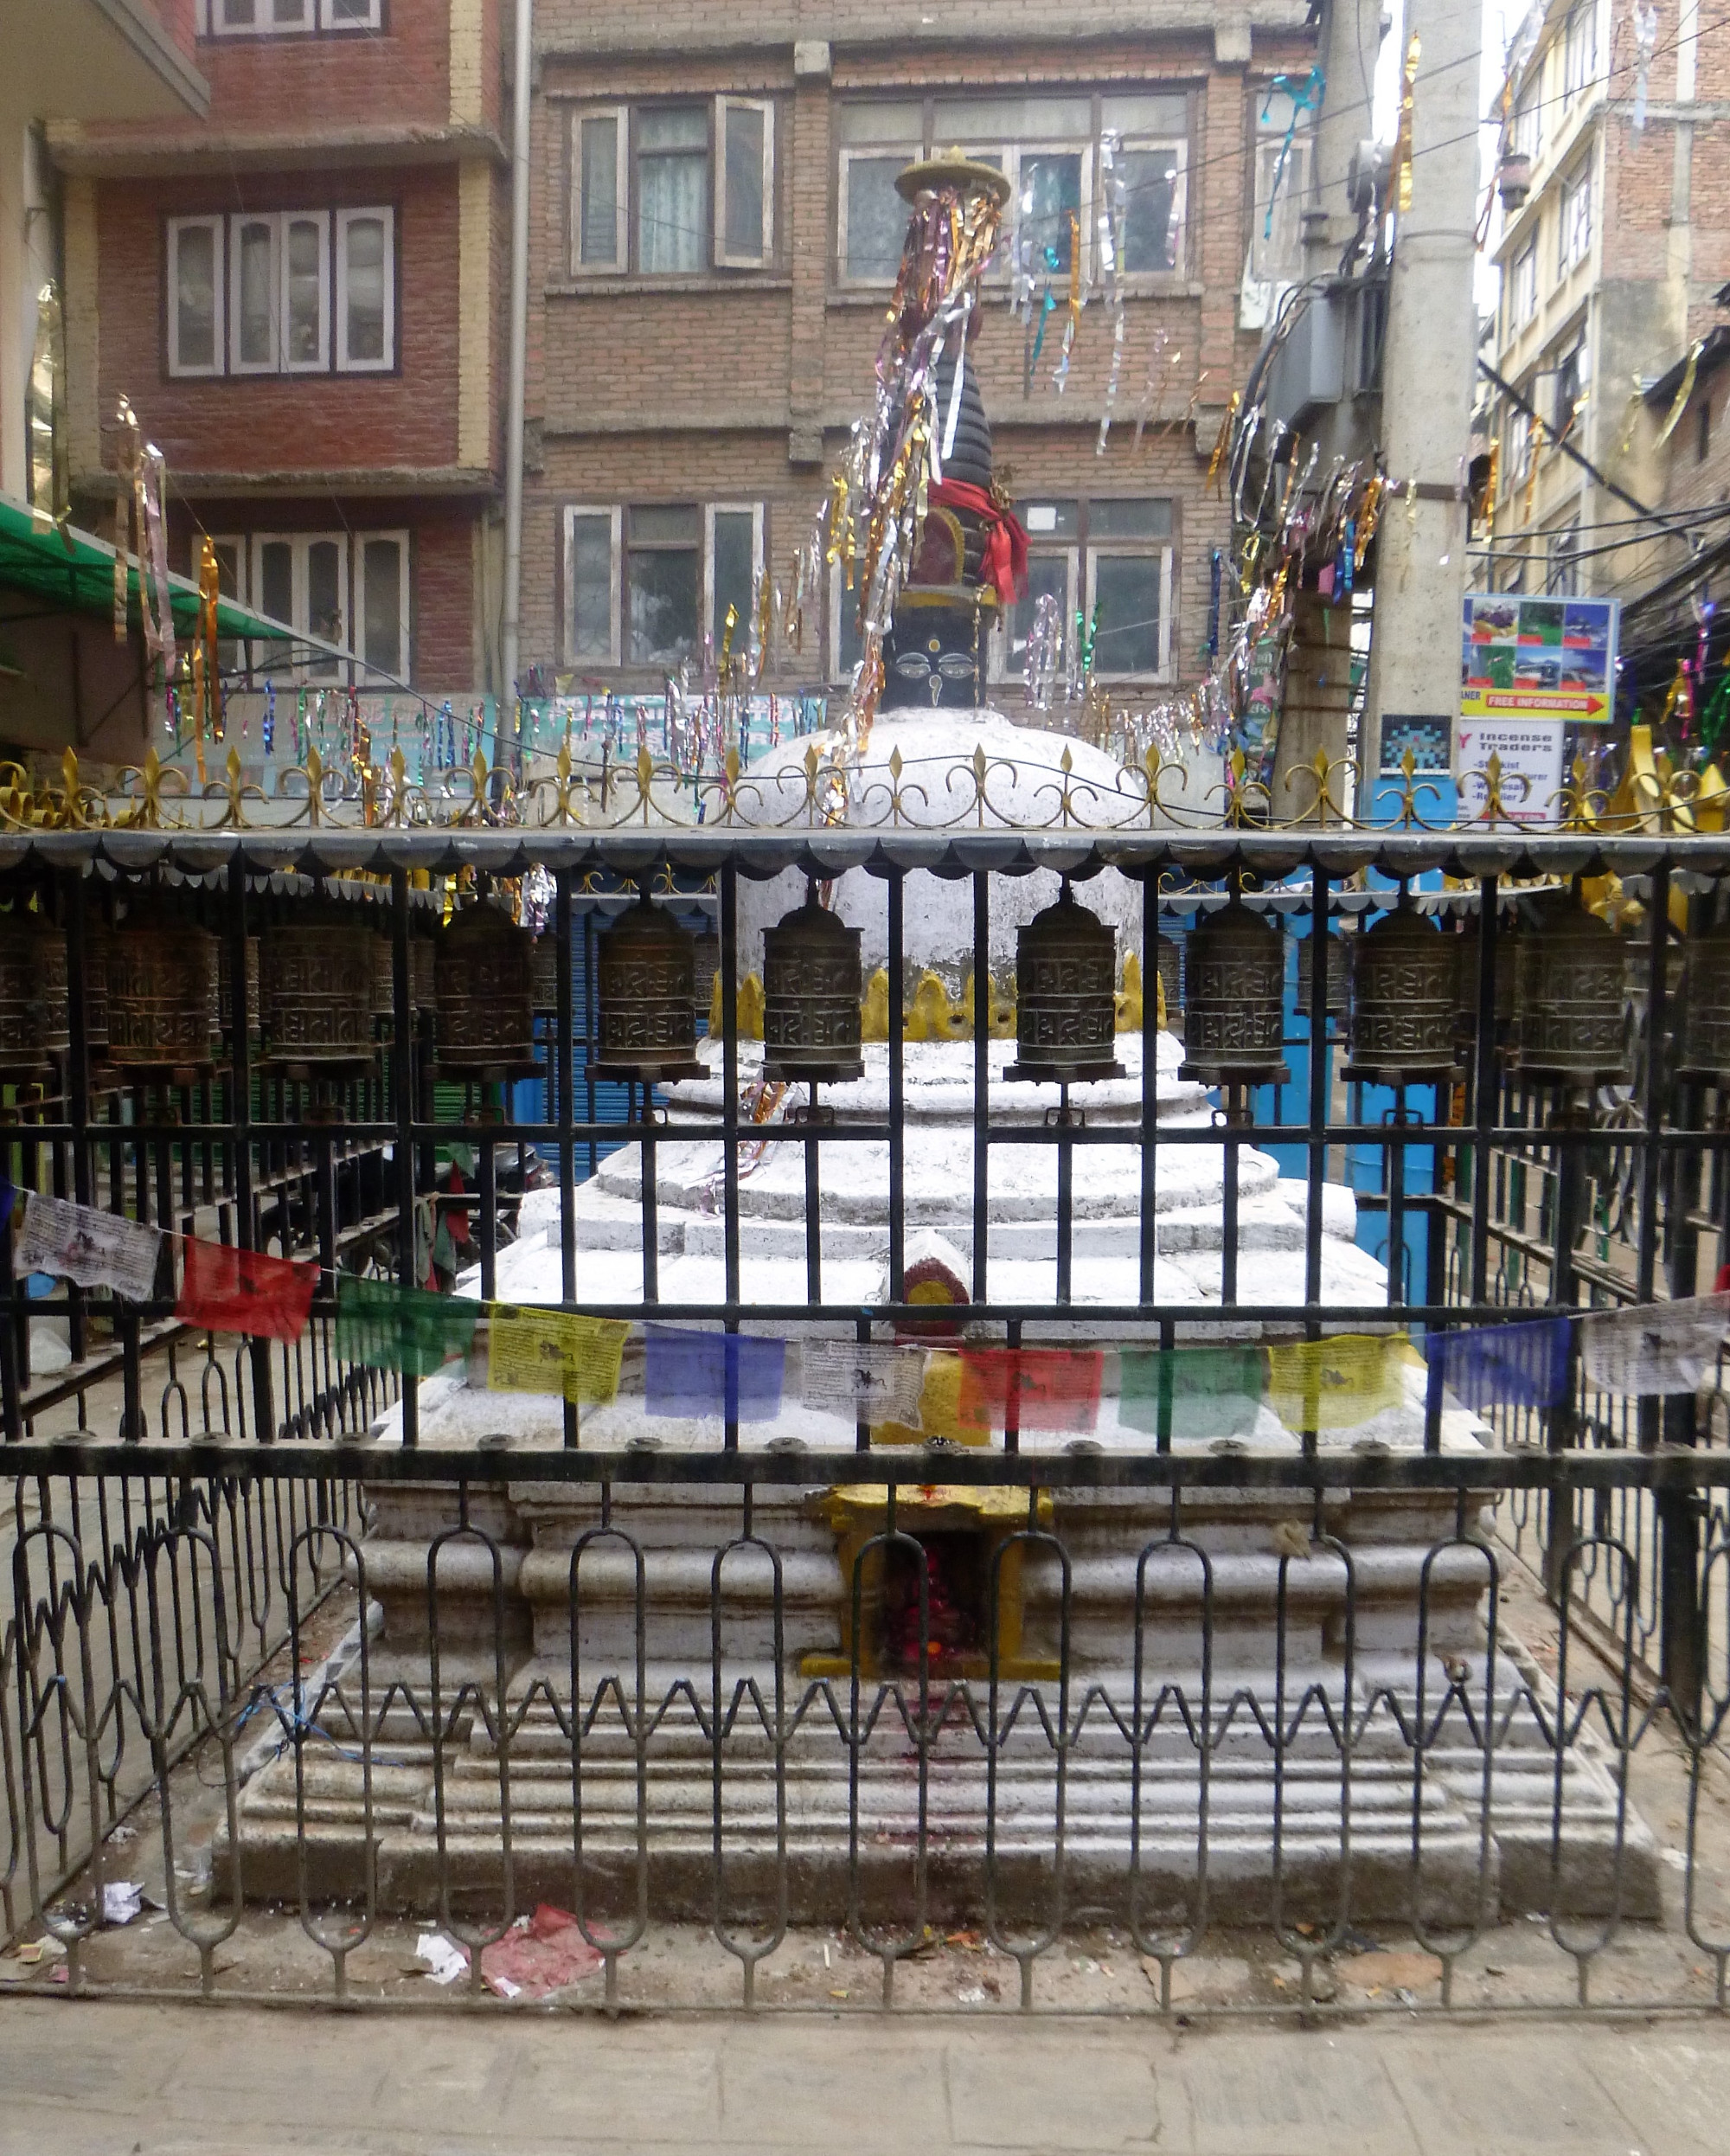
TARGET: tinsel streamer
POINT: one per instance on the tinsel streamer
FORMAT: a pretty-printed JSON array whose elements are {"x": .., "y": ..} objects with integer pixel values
[
  {"x": 1059, "y": 377},
  {"x": 50, "y": 451},
  {"x": 267, "y": 724},
  {"x": 125, "y": 460},
  {"x": 156, "y": 532},
  {"x": 1645, "y": 39},
  {"x": 1402, "y": 142},
  {"x": 1048, "y": 307},
  {"x": 1160, "y": 357},
  {"x": 1306, "y": 97},
  {"x": 210, "y": 598},
  {"x": 1111, "y": 223},
  {"x": 1684, "y": 391},
  {"x": 1223, "y": 439}
]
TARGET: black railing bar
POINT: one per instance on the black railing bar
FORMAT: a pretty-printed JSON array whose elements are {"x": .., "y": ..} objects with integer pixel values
[{"x": 1678, "y": 1467}]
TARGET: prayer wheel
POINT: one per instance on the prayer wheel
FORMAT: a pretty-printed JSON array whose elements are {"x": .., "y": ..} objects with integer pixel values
[
  {"x": 1338, "y": 972},
  {"x": 544, "y": 984},
  {"x": 1169, "y": 964},
  {"x": 706, "y": 947},
  {"x": 162, "y": 1011},
  {"x": 1404, "y": 974},
  {"x": 34, "y": 1022},
  {"x": 1703, "y": 1031},
  {"x": 484, "y": 980},
  {"x": 421, "y": 978},
  {"x": 813, "y": 985},
  {"x": 1570, "y": 1001},
  {"x": 254, "y": 995},
  {"x": 1466, "y": 978},
  {"x": 645, "y": 967},
  {"x": 1233, "y": 999},
  {"x": 1066, "y": 998},
  {"x": 321, "y": 973},
  {"x": 97, "y": 939}
]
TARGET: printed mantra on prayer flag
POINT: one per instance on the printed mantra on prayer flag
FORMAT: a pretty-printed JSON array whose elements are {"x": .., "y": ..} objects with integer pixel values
[
  {"x": 75, "y": 1243},
  {"x": 553, "y": 1351},
  {"x": 1657, "y": 1348},
  {"x": 226, "y": 1290},
  {"x": 864, "y": 1380}
]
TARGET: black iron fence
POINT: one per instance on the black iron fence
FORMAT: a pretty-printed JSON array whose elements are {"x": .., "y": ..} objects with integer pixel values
[{"x": 278, "y": 1610}]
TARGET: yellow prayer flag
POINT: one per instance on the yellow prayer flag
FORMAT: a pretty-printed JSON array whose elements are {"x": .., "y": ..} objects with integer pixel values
[
  {"x": 940, "y": 1414},
  {"x": 553, "y": 1351},
  {"x": 1334, "y": 1384}
]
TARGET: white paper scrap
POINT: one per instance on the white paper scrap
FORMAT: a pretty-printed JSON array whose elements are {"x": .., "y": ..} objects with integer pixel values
[
  {"x": 1657, "y": 1348},
  {"x": 122, "y": 1899},
  {"x": 872, "y": 1381},
  {"x": 76, "y": 1242},
  {"x": 445, "y": 1960}
]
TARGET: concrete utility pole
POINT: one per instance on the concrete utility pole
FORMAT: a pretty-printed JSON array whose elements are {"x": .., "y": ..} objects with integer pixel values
[
  {"x": 1428, "y": 365},
  {"x": 1346, "y": 51},
  {"x": 510, "y": 634}
]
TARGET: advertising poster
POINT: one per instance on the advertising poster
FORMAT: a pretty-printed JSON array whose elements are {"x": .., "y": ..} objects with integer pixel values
[
  {"x": 1539, "y": 658},
  {"x": 1530, "y": 755}
]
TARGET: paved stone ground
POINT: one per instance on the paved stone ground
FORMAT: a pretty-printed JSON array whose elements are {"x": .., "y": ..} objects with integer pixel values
[{"x": 88, "y": 2079}]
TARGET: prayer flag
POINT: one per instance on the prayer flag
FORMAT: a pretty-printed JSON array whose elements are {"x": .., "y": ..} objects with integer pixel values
[
  {"x": 943, "y": 1409},
  {"x": 553, "y": 1351},
  {"x": 1052, "y": 1389},
  {"x": 76, "y": 1242},
  {"x": 867, "y": 1381},
  {"x": 398, "y": 1328},
  {"x": 1335, "y": 1384},
  {"x": 8, "y": 1198},
  {"x": 1656, "y": 1347},
  {"x": 1523, "y": 1365},
  {"x": 696, "y": 1374},
  {"x": 1205, "y": 1392},
  {"x": 228, "y": 1290}
]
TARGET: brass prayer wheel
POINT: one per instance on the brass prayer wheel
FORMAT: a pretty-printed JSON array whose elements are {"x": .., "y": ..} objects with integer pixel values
[
  {"x": 1404, "y": 973},
  {"x": 34, "y": 1022},
  {"x": 706, "y": 944},
  {"x": 1233, "y": 999},
  {"x": 1466, "y": 978},
  {"x": 420, "y": 981},
  {"x": 1169, "y": 964},
  {"x": 321, "y": 974},
  {"x": 645, "y": 967},
  {"x": 161, "y": 1012},
  {"x": 483, "y": 976},
  {"x": 1338, "y": 989},
  {"x": 255, "y": 992},
  {"x": 1066, "y": 998},
  {"x": 1703, "y": 1034},
  {"x": 1570, "y": 1001},
  {"x": 813, "y": 984},
  {"x": 97, "y": 939},
  {"x": 546, "y": 979}
]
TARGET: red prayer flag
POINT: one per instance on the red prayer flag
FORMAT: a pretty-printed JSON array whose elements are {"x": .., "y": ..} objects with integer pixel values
[
  {"x": 228, "y": 1290},
  {"x": 1053, "y": 1389}
]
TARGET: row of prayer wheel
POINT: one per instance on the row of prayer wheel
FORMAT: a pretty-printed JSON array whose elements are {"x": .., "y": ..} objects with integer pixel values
[{"x": 320, "y": 994}]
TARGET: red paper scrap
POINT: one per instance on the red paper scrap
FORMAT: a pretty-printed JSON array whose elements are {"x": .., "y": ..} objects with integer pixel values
[
  {"x": 228, "y": 1290},
  {"x": 1053, "y": 1389},
  {"x": 540, "y": 1957}
]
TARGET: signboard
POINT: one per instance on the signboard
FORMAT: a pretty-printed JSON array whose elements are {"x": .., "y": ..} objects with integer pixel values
[
  {"x": 1530, "y": 755},
  {"x": 1539, "y": 658},
  {"x": 1425, "y": 733}
]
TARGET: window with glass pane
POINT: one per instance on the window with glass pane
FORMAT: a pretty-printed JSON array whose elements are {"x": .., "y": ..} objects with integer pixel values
[
  {"x": 325, "y": 606},
  {"x": 255, "y": 298},
  {"x": 360, "y": 15},
  {"x": 196, "y": 270},
  {"x": 229, "y": 553},
  {"x": 877, "y": 216},
  {"x": 588, "y": 570},
  {"x": 1050, "y": 199},
  {"x": 1151, "y": 231},
  {"x": 303, "y": 250},
  {"x": 732, "y": 573},
  {"x": 1138, "y": 517},
  {"x": 365, "y": 291},
  {"x": 1126, "y": 614},
  {"x": 672, "y": 190},
  {"x": 384, "y": 577},
  {"x": 663, "y": 565},
  {"x": 598, "y": 150},
  {"x": 273, "y": 594},
  {"x": 237, "y": 15},
  {"x": 744, "y": 230}
]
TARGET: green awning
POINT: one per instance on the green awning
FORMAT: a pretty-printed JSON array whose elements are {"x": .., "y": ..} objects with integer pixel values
[{"x": 74, "y": 569}]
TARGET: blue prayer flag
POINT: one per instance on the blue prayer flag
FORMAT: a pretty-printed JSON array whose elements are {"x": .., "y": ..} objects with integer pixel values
[
  {"x": 1522, "y": 1365},
  {"x": 694, "y": 1374}
]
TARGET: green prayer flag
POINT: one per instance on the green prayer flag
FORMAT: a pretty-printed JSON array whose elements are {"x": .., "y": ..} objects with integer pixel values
[
  {"x": 1196, "y": 1392},
  {"x": 404, "y": 1329}
]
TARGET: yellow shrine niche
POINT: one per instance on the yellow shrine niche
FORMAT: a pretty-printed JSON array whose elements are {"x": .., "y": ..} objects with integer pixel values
[{"x": 934, "y": 1015}]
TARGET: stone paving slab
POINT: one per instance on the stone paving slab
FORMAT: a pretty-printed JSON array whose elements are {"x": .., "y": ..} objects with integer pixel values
[{"x": 116, "y": 2079}]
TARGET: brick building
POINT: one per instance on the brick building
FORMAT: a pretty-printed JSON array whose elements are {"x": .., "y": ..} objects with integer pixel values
[
  {"x": 1610, "y": 276},
  {"x": 715, "y": 235},
  {"x": 303, "y": 294}
]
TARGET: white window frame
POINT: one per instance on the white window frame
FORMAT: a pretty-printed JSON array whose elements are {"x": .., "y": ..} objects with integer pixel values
[
  {"x": 872, "y": 153},
  {"x": 341, "y": 361},
  {"x": 620, "y": 264},
  {"x": 765, "y": 255},
  {"x": 614, "y": 513},
  {"x": 1293, "y": 188},
  {"x": 711, "y": 510},
  {"x": 1141, "y": 145},
  {"x": 1574, "y": 225},
  {"x": 1579, "y": 48},
  {"x": 278, "y": 221},
  {"x": 1000, "y": 664},
  {"x": 328, "y": 22},
  {"x": 216, "y": 227},
  {"x": 321, "y": 18},
  {"x": 1522, "y": 277},
  {"x": 364, "y": 673},
  {"x": 300, "y": 544},
  {"x": 1010, "y": 156},
  {"x": 1148, "y": 550}
]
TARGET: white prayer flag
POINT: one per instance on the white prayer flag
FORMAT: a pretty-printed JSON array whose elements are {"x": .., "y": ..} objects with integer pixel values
[
  {"x": 75, "y": 1243},
  {"x": 869, "y": 1381},
  {"x": 1656, "y": 1347}
]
